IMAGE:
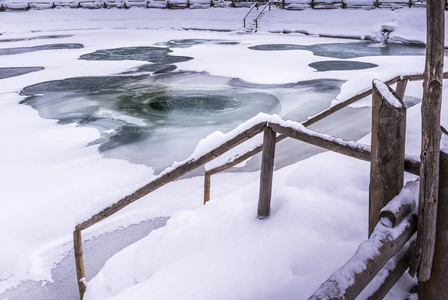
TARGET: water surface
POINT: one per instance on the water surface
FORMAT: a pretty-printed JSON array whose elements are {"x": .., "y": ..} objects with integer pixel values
[
  {"x": 20, "y": 50},
  {"x": 17, "y": 71},
  {"x": 348, "y": 50}
]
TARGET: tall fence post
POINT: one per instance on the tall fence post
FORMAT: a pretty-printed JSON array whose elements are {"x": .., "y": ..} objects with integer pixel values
[
  {"x": 430, "y": 143},
  {"x": 79, "y": 262},
  {"x": 437, "y": 286},
  {"x": 267, "y": 171},
  {"x": 388, "y": 149}
]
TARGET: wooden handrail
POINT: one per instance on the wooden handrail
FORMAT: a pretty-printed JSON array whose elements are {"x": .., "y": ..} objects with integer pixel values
[
  {"x": 171, "y": 175},
  {"x": 253, "y": 6},
  {"x": 261, "y": 12},
  {"x": 350, "y": 280},
  {"x": 411, "y": 165}
]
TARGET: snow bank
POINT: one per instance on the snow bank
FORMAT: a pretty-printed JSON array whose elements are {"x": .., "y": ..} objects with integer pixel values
[{"x": 207, "y": 253}]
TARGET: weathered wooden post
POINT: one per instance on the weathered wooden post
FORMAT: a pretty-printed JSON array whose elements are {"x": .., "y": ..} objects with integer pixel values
[
  {"x": 437, "y": 286},
  {"x": 79, "y": 262},
  {"x": 267, "y": 171},
  {"x": 207, "y": 182},
  {"x": 388, "y": 149},
  {"x": 401, "y": 88},
  {"x": 430, "y": 149}
]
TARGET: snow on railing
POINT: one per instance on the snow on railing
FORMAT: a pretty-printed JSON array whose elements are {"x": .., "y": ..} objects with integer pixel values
[{"x": 372, "y": 255}]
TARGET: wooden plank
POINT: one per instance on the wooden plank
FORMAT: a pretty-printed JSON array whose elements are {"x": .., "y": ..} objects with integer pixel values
[
  {"x": 79, "y": 262},
  {"x": 349, "y": 281},
  {"x": 395, "y": 274},
  {"x": 430, "y": 149},
  {"x": 172, "y": 175},
  {"x": 437, "y": 287},
  {"x": 387, "y": 149},
  {"x": 266, "y": 174}
]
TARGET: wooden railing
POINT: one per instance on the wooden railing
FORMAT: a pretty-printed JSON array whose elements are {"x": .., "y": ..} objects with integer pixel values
[
  {"x": 384, "y": 243},
  {"x": 401, "y": 81},
  {"x": 262, "y": 11},
  {"x": 270, "y": 126},
  {"x": 248, "y": 13}
]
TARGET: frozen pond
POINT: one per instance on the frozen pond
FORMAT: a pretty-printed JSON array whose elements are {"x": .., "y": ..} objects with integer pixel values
[{"x": 144, "y": 114}]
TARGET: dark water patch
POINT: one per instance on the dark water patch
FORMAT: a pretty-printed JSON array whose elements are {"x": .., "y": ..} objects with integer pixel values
[
  {"x": 91, "y": 85},
  {"x": 278, "y": 47},
  {"x": 97, "y": 251},
  {"x": 192, "y": 102},
  {"x": 17, "y": 71},
  {"x": 20, "y": 50},
  {"x": 153, "y": 119},
  {"x": 318, "y": 85},
  {"x": 153, "y": 68},
  {"x": 157, "y": 55},
  {"x": 349, "y": 50},
  {"x": 337, "y": 65},
  {"x": 186, "y": 43},
  {"x": 44, "y": 37}
]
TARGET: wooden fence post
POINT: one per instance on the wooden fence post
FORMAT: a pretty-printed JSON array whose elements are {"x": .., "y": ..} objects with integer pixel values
[
  {"x": 207, "y": 182},
  {"x": 401, "y": 88},
  {"x": 388, "y": 149},
  {"x": 267, "y": 171},
  {"x": 430, "y": 149},
  {"x": 79, "y": 262},
  {"x": 437, "y": 286}
]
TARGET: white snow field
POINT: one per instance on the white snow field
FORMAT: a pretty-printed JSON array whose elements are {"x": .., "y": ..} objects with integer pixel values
[{"x": 53, "y": 176}]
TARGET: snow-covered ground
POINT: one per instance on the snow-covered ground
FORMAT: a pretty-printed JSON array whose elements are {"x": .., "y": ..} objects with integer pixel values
[{"x": 50, "y": 178}]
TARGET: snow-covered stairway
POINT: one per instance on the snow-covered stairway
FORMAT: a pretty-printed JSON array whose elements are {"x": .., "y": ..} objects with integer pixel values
[{"x": 251, "y": 20}]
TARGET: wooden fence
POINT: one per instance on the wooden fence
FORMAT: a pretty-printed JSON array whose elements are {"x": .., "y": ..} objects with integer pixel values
[
  {"x": 271, "y": 129},
  {"x": 286, "y": 4}
]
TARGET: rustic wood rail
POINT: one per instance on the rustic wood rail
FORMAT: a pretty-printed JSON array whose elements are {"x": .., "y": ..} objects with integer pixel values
[
  {"x": 250, "y": 10},
  {"x": 401, "y": 81},
  {"x": 260, "y": 13},
  {"x": 349, "y": 281},
  {"x": 285, "y": 129}
]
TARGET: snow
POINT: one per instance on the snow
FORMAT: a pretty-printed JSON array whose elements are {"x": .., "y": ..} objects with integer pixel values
[
  {"x": 51, "y": 179},
  {"x": 387, "y": 94},
  {"x": 407, "y": 196}
]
